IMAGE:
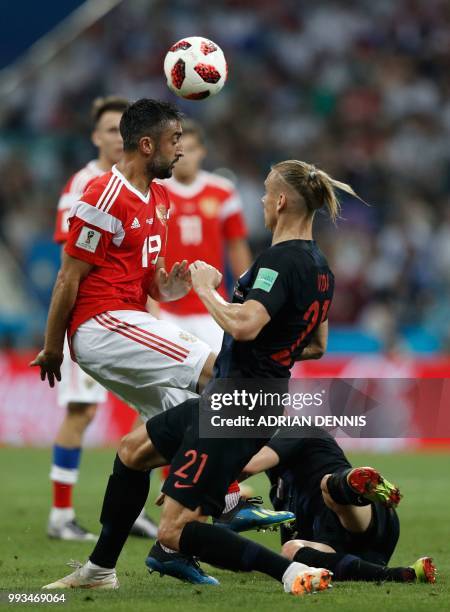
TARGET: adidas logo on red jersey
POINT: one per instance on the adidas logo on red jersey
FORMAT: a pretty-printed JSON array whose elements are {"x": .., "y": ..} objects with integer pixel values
[{"x": 135, "y": 224}]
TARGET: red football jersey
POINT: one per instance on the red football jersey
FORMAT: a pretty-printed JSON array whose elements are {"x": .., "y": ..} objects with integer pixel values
[
  {"x": 203, "y": 216},
  {"x": 70, "y": 195},
  {"x": 122, "y": 233}
]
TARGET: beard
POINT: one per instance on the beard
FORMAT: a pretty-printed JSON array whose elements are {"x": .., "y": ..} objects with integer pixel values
[{"x": 160, "y": 168}]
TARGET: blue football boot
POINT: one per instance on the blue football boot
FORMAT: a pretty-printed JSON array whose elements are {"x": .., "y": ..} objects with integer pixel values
[
  {"x": 247, "y": 515},
  {"x": 177, "y": 565}
]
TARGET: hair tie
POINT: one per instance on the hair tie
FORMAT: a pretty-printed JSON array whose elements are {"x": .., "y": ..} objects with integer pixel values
[{"x": 312, "y": 174}]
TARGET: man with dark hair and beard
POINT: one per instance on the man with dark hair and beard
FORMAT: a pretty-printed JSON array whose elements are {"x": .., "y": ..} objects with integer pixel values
[{"x": 112, "y": 261}]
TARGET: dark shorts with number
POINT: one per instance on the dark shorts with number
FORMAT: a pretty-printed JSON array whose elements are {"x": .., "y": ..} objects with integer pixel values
[{"x": 201, "y": 468}]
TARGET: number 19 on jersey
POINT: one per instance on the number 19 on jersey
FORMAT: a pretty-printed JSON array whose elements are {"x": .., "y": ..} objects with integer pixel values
[{"x": 152, "y": 244}]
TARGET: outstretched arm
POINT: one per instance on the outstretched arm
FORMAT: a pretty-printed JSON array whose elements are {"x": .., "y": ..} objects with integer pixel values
[
  {"x": 242, "y": 321},
  {"x": 64, "y": 295}
]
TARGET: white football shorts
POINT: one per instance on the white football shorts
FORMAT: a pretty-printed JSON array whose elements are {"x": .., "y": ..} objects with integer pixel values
[
  {"x": 201, "y": 325},
  {"x": 76, "y": 386},
  {"x": 150, "y": 364}
]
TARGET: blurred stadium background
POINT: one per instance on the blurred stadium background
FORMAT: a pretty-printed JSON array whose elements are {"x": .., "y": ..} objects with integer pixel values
[{"x": 360, "y": 88}]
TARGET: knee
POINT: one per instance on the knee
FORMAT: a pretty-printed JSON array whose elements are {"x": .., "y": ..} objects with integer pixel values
[
  {"x": 329, "y": 501},
  {"x": 323, "y": 484},
  {"x": 289, "y": 549},
  {"x": 169, "y": 534},
  {"x": 137, "y": 452},
  {"x": 128, "y": 452},
  {"x": 82, "y": 413}
]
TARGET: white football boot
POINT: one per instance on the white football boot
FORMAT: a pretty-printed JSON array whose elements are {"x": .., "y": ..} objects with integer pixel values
[
  {"x": 62, "y": 525},
  {"x": 300, "y": 579},
  {"x": 87, "y": 576}
]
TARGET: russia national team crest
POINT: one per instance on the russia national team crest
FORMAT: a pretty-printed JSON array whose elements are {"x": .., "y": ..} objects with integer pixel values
[
  {"x": 209, "y": 207},
  {"x": 162, "y": 213},
  {"x": 187, "y": 336}
]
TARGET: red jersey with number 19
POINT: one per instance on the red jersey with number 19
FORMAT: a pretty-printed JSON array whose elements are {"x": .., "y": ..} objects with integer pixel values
[{"x": 122, "y": 232}]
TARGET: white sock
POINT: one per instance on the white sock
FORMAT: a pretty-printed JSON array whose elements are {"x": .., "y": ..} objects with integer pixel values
[
  {"x": 60, "y": 516},
  {"x": 231, "y": 501},
  {"x": 98, "y": 569},
  {"x": 167, "y": 550},
  {"x": 291, "y": 574}
]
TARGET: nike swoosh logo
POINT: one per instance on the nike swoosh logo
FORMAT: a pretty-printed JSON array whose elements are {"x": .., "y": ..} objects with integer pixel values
[{"x": 179, "y": 485}]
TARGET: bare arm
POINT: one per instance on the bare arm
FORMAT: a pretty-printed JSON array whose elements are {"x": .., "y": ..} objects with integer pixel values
[
  {"x": 152, "y": 306},
  {"x": 65, "y": 291},
  {"x": 239, "y": 256},
  {"x": 318, "y": 344},
  {"x": 242, "y": 321},
  {"x": 264, "y": 459}
]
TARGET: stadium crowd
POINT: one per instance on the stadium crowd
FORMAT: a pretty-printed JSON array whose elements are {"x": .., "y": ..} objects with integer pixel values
[{"x": 361, "y": 88}]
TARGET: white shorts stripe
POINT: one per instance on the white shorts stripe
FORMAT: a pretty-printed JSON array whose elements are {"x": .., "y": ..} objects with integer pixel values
[
  {"x": 134, "y": 328},
  {"x": 146, "y": 336},
  {"x": 124, "y": 332}
]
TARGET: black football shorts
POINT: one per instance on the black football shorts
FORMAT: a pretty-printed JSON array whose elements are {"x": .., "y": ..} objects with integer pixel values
[{"x": 201, "y": 469}]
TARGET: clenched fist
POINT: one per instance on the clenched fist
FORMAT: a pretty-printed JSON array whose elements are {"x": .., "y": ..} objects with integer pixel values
[{"x": 204, "y": 276}]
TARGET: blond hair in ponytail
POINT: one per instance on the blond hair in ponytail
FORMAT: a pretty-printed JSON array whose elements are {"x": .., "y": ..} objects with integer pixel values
[{"x": 315, "y": 186}]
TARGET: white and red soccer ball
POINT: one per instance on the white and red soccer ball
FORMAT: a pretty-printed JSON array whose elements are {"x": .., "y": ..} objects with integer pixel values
[{"x": 195, "y": 68}]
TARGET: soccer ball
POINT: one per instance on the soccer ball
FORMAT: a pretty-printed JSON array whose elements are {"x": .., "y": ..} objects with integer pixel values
[{"x": 195, "y": 68}]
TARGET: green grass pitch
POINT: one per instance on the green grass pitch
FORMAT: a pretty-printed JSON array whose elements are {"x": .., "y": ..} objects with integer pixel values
[{"x": 28, "y": 559}]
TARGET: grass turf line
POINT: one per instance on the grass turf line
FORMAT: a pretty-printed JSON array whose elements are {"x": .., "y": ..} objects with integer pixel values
[{"x": 28, "y": 559}]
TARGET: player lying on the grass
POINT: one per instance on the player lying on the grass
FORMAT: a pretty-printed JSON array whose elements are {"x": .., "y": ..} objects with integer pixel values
[
  {"x": 345, "y": 517},
  {"x": 113, "y": 260},
  {"x": 278, "y": 306}
]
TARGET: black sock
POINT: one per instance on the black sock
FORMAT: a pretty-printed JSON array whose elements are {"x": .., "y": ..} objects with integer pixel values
[
  {"x": 401, "y": 574},
  {"x": 342, "y": 492},
  {"x": 224, "y": 548},
  {"x": 350, "y": 567},
  {"x": 358, "y": 569},
  {"x": 124, "y": 499},
  {"x": 317, "y": 558}
]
